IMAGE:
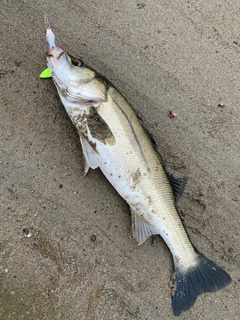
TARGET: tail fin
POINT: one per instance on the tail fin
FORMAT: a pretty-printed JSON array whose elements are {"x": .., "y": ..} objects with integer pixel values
[{"x": 205, "y": 277}]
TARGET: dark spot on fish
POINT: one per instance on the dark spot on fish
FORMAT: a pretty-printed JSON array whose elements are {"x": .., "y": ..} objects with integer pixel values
[
  {"x": 99, "y": 128},
  {"x": 136, "y": 176},
  {"x": 149, "y": 199},
  {"x": 80, "y": 123}
]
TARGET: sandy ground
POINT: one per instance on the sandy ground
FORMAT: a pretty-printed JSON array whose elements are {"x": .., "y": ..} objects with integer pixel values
[{"x": 66, "y": 247}]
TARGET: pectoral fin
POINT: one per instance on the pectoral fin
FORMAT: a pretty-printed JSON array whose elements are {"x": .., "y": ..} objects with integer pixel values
[
  {"x": 90, "y": 155},
  {"x": 141, "y": 229}
]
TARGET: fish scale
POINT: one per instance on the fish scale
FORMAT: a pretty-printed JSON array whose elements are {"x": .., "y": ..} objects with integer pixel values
[{"x": 113, "y": 139}]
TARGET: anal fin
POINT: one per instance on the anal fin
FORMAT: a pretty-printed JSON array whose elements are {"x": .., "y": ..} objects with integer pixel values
[{"x": 141, "y": 229}]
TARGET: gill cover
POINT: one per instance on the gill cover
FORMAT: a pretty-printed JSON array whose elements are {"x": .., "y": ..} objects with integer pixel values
[{"x": 84, "y": 82}]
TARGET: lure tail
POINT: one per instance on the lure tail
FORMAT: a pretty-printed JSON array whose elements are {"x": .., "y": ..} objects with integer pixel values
[
  {"x": 52, "y": 43},
  {"x": 189, "y": 284}
]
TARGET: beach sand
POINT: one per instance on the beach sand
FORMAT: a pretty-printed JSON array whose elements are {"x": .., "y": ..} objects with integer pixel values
[{"x": 66, "y": 245}]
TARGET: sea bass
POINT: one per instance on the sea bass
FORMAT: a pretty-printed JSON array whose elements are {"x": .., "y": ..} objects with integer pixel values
[{"x": 114, "y": 140}]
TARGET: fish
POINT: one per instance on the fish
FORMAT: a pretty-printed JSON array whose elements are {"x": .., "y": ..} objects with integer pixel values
[{"x": 114, "y": 139}]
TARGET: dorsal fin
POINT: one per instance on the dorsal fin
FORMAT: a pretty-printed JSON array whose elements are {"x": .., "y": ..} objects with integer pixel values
[{"x": 177, "y": 184}]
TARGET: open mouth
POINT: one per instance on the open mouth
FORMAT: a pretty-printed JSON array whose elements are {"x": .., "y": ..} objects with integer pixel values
[{"x": 49, "y": 55}]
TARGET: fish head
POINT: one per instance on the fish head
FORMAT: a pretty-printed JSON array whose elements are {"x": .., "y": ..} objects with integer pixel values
[{"x": 75, "y": 81}]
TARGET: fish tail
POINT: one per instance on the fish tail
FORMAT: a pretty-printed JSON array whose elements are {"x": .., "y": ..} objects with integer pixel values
[{"x": 189, "y": 284}]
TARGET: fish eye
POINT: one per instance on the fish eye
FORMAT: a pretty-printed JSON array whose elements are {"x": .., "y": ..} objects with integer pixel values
[{"x": 77, "y": 62}]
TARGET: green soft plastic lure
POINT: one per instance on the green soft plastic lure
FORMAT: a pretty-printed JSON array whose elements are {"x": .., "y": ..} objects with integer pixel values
[{"x": 46, "y": 74}]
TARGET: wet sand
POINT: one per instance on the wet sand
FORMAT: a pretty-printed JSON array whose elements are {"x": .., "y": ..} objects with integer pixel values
[{"x": 66, "y": 246}]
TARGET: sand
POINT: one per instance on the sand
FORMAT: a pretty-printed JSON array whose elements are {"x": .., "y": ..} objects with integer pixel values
[{"x": 66, "y": 246}]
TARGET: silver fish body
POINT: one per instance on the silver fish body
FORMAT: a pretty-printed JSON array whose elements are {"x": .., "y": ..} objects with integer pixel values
[{"x": 114, "y": 140}]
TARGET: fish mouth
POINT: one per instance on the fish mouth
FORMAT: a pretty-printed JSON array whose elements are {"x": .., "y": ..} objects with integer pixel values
[
  {"x": 57, "y": 58},
  {"x": 60, "y": 54},
  {"x": 50, "y": 55}
]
